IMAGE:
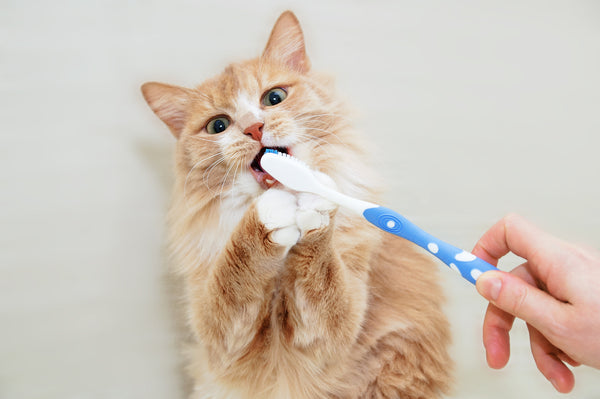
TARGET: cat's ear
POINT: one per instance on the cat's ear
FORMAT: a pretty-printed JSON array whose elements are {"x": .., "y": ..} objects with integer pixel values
[
  {"x": 286, "y": 43},
  {"x": 169, "y": 103}
]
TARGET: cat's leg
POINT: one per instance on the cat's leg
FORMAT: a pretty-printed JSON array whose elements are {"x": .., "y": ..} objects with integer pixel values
[
  {"x": 232, "y": 303},
  {"x": 323, "y": 300},
  {"x": 415, "y": 367}
]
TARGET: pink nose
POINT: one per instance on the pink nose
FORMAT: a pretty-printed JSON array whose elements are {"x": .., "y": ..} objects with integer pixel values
[{"x": 255, "y": 131}]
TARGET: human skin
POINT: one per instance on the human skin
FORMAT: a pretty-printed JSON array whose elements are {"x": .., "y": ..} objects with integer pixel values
[{"x": 555, "y": 291}]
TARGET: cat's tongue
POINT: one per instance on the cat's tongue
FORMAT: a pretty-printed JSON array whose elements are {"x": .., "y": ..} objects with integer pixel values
[{"x": 265, "y": 180}]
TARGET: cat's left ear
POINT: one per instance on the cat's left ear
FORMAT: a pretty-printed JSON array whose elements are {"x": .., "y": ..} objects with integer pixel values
[{"x": 286, "y": 43}]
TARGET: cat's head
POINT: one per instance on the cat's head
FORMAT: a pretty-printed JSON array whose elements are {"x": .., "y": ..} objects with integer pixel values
[{"x": 224, "y": 125}]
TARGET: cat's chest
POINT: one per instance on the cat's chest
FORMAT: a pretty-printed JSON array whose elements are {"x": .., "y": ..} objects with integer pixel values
[{"x": 211, "y": 239}]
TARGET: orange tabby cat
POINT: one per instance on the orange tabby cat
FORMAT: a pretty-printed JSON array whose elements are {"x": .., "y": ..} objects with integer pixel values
[{"x": 289, "y": 297}]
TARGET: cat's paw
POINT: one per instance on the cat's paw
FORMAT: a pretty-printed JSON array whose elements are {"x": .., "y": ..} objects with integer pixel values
[
  {"x": 314, "y": 212},
  {"x": 277, "y": 212}
]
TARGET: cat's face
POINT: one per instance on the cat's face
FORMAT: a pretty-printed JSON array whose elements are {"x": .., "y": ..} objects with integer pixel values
[
  {"x": 224, "y": 125},
  {"x": 252, "y": 106}
]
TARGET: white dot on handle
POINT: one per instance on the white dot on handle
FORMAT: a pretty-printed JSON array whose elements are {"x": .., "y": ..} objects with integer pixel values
[
  {"x": 475, "y": 273},
  {"x": 453, "y": 267},
  {"x": 465, "y": 256},
  {"x": 391, "y": 224},
  {"x": 432, "y": 247}
]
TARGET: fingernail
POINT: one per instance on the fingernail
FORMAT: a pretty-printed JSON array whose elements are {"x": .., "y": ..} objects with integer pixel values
[
  {"x": 491, "y": 288},
  {"x": 553, "y": 382}
]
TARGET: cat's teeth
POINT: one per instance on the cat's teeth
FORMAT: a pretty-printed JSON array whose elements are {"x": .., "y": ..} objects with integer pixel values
[{"x": 270, "y": 181}]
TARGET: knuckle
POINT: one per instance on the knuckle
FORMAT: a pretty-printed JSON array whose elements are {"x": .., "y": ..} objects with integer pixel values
[
  {"x": 519, "y": 299},
  {"x": 560, "y": 327}
]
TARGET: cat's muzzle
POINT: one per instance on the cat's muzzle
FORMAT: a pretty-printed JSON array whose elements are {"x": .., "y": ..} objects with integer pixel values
[{"x": 265, "y": 180}]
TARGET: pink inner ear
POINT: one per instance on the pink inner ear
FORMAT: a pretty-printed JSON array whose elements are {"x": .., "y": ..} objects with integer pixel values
[
  {"x": 173, "y": 115},
  {"x": 298, "y": 60},
  {"x": 286, "y": 43}
]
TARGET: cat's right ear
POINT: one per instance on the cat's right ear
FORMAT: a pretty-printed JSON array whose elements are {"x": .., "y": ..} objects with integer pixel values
[
  {"x": 169, "y": 103},
  {"x": 286, "y": 43}
]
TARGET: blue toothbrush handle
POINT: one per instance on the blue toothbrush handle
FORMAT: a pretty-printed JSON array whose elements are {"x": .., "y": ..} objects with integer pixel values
[{"x": 465, "y": 263}]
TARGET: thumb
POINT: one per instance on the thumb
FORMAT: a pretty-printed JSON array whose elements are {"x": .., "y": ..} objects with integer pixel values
[{"x": 518, "y": 298}]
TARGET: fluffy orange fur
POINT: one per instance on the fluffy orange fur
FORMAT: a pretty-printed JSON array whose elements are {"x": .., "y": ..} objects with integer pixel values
[{"x": 345, "y": 311}]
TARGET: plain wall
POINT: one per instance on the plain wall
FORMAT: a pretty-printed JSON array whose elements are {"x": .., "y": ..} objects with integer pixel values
[{"x": 477, "y": 108}]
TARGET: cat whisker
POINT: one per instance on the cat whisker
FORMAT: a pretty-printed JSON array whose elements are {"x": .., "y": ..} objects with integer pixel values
[
  {"x": 190, "y": 173},
  {"x": 206, "y": 174},
  {"x": 311, "y": 116},
  {"x": 223, "y": 183},
  {"x": 314, "y": 115},
  {"x": 318, "y": 124},
  {"x": 318, "y": 121},
  {"x": 237, "y": 168},
  {"x": 318, "y": 140},
  {"x": 322, "y": 138},
  {"x": 330, "y": 133}
]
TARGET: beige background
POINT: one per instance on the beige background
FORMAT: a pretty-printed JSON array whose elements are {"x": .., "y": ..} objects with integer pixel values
[{"x": 477, "y": 108}]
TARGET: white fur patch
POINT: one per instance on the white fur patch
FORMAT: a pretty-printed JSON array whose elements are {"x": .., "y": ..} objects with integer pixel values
[
  {"x": 313, "y": 212},
  {"x": 210, "y": 241},
  {"x": 245, "y": 105},
  {"x": 308, "y": 220},
  {"x": 246, "y": 186},
  {"x": 286, "y": 236},
  {"x": 277, "y": 211},
  {"x": 290, "y": 216}
]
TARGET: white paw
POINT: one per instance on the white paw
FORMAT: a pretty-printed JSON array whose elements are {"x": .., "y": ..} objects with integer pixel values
[
  {"x": 286, "y": 236},
  {"x": 288, "y": 216},
  {"x": 313, "y": 212},
  {"x": 277, "y": 211}
]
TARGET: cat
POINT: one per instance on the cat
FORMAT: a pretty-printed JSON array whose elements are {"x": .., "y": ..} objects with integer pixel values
[{"x": 288, "y": 296}]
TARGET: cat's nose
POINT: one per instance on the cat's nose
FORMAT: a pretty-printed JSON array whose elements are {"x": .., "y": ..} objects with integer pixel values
[{"x": 255, "y": 131}]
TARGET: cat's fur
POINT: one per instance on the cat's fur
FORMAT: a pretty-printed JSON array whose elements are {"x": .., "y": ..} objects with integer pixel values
[{"x": 289, "y": 297}]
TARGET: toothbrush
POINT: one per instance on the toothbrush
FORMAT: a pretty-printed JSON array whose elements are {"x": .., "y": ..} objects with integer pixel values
[{"x": 298, "y": 176}]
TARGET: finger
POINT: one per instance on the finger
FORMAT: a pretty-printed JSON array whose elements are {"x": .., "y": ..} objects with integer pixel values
[
  {"x": 567, "y": 359},
  {"x": 514, "y": 234},
  {"x": 549, "y": 364},
  {"x": 515, "y": 296},
  {"x": 497, "y": 325},
  {"x": 495, "y": 242},
  {"x": 496, "y": 340}
]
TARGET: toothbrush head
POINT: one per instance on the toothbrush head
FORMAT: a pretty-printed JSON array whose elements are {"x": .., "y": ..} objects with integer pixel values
[{"x": 290, "y": 171}]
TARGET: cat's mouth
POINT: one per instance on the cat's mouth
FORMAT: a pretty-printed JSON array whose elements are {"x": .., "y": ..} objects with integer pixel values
[{"x": 264, "y": 179}]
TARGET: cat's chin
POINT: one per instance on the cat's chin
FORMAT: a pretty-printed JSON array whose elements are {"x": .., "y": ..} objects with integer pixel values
[{"x": 265, "y": 180}]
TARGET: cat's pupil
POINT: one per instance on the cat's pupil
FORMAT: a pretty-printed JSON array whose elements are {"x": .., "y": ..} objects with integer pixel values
[
  {"x": 274, "y": 98},
  {"x": 219, "y": 126}
]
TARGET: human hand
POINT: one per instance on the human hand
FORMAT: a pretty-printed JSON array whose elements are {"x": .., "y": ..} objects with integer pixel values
[{"x": 556, "y": 292}]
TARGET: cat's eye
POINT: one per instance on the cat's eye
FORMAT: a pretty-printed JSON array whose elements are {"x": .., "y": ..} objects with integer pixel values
[
  {"x": 274, "y": 96},
  {"x": 217, "y": 125}
]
